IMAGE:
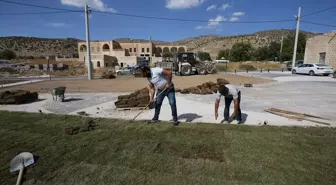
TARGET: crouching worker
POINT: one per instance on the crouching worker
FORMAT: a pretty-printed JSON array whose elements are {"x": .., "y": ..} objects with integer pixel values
[
  {"x": 230, "y": 92},
  {"x": 160, "y": 79}
]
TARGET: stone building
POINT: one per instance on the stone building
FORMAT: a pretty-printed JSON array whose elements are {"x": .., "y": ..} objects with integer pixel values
[
  {"x": 124, "y": 53},
  {"x": 321, "y": 49}
]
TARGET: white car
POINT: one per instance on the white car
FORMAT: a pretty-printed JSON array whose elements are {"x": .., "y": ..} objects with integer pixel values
[
  {"x": 124, "y": 71},
  {"x": 313, "y": 69}
]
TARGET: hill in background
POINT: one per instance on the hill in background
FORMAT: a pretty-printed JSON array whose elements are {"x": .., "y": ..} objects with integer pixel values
[{"x": 37, "y": 47}]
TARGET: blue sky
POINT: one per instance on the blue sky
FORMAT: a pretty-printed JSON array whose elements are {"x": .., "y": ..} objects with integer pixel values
[{"x": 107, "y": 26}]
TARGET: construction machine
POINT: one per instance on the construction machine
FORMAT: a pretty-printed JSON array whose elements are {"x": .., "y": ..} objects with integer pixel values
[{"x": 187, "y": 63}]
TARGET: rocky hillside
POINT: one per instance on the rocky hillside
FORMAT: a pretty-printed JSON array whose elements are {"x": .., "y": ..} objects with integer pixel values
[
  {"x": 213, "y": 44},
  {"x": 32, "y": 46},
  {"x": 36, "y": 47}
]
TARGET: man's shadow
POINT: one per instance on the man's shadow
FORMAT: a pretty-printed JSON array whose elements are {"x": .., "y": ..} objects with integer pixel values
[
  {"x": 189, "y": 117},
  {"x": 244, "y": 118}
]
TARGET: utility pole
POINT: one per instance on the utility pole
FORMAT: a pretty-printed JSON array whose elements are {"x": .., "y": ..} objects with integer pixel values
[
  {"x": 88, "y": 47},
  {"x": 296, "y": 36},
  {"x": 282, "y": 37}
]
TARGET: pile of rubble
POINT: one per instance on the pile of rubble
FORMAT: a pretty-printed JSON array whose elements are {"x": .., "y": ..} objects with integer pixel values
[
  {"x": 205, "y": 88},
  {"x": 17, "y": 97},
  {"x": 139, "y": 98},
  {"x": 108, "y": 75}
]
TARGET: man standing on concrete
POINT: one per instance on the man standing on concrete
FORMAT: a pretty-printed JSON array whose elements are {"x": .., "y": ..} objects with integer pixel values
[
  {"x": 230, "y": 92},
  {"x": 161, "y": 79}
]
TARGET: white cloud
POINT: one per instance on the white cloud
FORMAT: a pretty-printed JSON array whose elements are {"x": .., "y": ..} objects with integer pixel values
[
  {"x": 182, "y": 4},
  {"x": 213, "y": 23},
  {"x": 199, "y": 27},
  {"x": 234, "y": 19},
  {"x": 94, "y": 4},
  {"x": 238, "y": 14},
  {"x": 224, "y": 6},
  {"x": 212, "y": 7},
  {"x": 216, "y": 21},
  {"x": 57, "y": 25}
]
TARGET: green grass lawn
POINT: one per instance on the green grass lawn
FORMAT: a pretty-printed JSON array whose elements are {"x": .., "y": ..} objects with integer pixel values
[{"x": 118, "y": 152}]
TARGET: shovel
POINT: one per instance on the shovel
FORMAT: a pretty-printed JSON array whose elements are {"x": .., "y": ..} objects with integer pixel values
[
  {"x": 19, "y": 162},
  {"x": 147, "y": 105}
]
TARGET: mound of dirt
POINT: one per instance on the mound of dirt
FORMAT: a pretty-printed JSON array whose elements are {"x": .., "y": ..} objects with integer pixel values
[{"x": 17, "y": 97}]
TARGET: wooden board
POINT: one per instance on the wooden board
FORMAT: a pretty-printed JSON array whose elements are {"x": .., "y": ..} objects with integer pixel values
[{"x": 295, "y": 115}]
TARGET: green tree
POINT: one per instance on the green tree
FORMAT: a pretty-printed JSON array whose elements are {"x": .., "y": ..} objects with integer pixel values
[
  {"x": 224, "y": 54},
  {"x": 288, "y": 46},
  {"x": 8, "y": 54},
  {"x": 261, "y": 53},
  {"x": 203, "y": 56},
  {"x": 241, "y": 52},
  {"x": 274, "y": 51}
]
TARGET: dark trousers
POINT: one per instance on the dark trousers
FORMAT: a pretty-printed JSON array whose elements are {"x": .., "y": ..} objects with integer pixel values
[
  {"x": 227, "y": 108},
  {"x": 170, "y": 93}
]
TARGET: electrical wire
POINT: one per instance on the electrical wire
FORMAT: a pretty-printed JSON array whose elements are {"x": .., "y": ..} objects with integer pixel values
[
  {"x": 320, "y": 11},
  {"x": 191, "y": 20},
  {"x": 37, "y": 13},
  {"x": 36, "y": 6},
  {"x": 147, "y": 17},
  {"x": 320, "y": 24}
]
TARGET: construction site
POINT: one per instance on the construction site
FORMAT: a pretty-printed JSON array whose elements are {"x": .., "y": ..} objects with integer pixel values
[{"x": 215, "y": 102}]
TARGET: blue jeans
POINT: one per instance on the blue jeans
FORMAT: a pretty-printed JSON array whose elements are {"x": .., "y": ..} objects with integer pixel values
[
  {"x": 170, "y": 93},
  {"x": 227, "y": 108}
]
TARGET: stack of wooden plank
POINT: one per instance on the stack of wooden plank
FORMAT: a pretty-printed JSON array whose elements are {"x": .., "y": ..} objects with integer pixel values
[{"x": 297, "y": 116}]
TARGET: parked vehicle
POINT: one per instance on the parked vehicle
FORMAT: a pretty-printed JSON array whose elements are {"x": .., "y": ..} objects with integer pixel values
[
  {"x": 124, "y": 71},
  {"x": 334, "y": 74},
  {"x": 290, "y": 64},
  {"x": 313, "y": 69}
]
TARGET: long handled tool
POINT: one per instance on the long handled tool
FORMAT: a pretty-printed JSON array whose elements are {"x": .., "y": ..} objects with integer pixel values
[
  {"x": 19, "y": 162},
  {"x": 148, "y": 105}
]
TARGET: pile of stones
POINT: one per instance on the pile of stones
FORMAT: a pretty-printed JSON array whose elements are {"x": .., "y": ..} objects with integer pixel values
[
  {"x": 17, "y": 97},
  {"x": 139, "y": 98}
]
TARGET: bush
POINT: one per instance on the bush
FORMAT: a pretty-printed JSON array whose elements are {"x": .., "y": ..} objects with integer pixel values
[
  {"x": 8, "y": 54},
  {"x": 247, "y": 67}
]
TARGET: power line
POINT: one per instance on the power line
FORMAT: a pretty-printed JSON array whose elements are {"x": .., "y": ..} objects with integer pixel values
[
  {"x": 319, "y": 11},
  {"x": 36, "y": 6},
  {"x": 320, "y": 24},
  {"x": 38, "y": 13},
  {"x": 190, "y": 20},
  {"x": 148, "y": 17}
]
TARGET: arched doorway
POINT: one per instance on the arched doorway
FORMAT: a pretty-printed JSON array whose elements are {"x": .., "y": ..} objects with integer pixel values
[
  {"x": 82, "y": 48},
  {"x": 173, "y": 50},
  {"x": 158, "y": 51},
  {"x": 165, "y": 50},
  {"x": 181, "y": 49},
  {"x": 106, "y": 47}
]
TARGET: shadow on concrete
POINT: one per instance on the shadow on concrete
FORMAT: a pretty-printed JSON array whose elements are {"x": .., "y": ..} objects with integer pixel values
[
  {"x": 31, "y": 101},
  {"x": 72, "y": 99},
  {"x": 244, "y": 118},
  {"x": 189, "y": 117}
]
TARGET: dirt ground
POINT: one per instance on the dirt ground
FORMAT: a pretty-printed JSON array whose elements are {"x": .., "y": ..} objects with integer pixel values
[{"x": 130, "y": 83}]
